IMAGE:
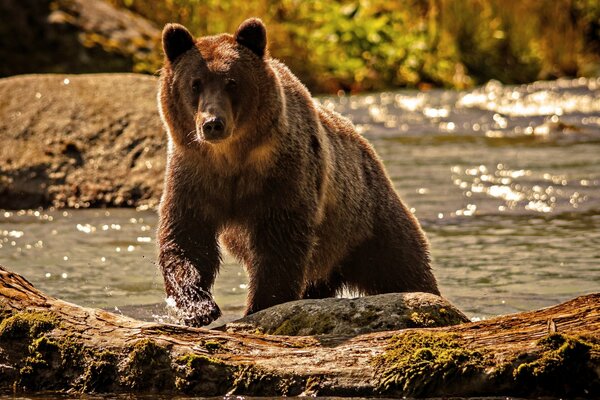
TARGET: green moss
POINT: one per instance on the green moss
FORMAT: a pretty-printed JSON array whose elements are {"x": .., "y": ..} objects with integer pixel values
[
  {"x": 5, "y": 312},
  {"x": 313, "y": 385},
  {"x": 212, "y": 346},
  {"x": 422, "y": 320},
  {"x": 564, "y": 365},
  {"x": 27, "y": 324},
  {"x": 51, "y": 364},
  {"x": 148, "y": 367},
  {"x": 364, "y": 318},
  {"x": 317, "y": 323},
  {"x": 100, "y": 372},
  {"x": 39, "y": 365},
  {"x": 255, "y": 381},
  {"x": 72, "y": 353},
  {"x": 203, "y": 375},
  {"x": 418, "y": 363},
  {"x": 434, "y": 317},
  {"x": 290, "y": 386},
  {"x": 65, "y": 364},
  {"x": 251, "y": 380}
]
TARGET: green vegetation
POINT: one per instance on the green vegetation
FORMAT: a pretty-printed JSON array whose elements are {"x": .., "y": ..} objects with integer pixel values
[
  {"x": 50, "y": 363},
  {"x": 27, "y": 325},
  {"x": 318, "y": 323},
  {"x": 251, "y": 380},
  {"x": 417, "y": 364},
  {"x": 563, "y": 366},
  {"x": 203, "y": 375},
  {"x": 422, "y": 363},
  {"x": 148, "y": 367},
  {"x": 378, "y": 44},
  {"x": 101, "y": 372},
  {"x": 212, "y": 346},
  {"x": 432, "y": 317}
]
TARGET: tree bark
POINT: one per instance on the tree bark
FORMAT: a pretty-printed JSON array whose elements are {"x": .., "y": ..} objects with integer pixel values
[{"x": 49, "y": 344}]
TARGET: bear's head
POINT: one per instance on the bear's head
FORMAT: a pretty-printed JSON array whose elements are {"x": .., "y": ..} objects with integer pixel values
[{"x": 217, "y": 88}]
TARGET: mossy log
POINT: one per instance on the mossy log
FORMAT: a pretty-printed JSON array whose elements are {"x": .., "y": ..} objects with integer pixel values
[{"x": 47, "y": 344}]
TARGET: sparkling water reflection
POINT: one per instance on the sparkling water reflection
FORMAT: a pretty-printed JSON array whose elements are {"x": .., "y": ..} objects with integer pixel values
[{"x": 505, "y": 181}]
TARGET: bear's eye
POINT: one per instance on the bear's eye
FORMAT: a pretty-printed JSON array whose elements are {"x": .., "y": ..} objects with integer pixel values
[
  {"x": 230, "y": 83},
  {"x": 196, "y": 86}
]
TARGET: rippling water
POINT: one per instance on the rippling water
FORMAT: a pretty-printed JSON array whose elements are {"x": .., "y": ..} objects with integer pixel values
[{"x": 505, "y": 181}]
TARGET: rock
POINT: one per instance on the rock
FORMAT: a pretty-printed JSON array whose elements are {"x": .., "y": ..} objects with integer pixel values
[
  {"x": 80, "y": 141},
  {"x": 384, "y": 312},
  {"x": 74, "y": 36}
]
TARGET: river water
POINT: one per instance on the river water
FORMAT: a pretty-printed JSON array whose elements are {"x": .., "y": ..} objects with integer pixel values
[{"x": 504, "y": 179}]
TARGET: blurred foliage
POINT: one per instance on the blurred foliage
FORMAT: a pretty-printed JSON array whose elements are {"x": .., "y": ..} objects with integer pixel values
[{"x": 378, "y": 44}]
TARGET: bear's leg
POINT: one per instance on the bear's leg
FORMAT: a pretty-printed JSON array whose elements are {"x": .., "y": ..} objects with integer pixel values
[
  {"x": 189, "y": 259},
  {"x": 386, "y": 266},
  {"x": 281, "y": 246},
  {"x": 323, "y": 289}
]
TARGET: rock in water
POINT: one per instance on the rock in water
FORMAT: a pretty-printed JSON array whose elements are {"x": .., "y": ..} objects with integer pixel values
[
  {"x": 80, "y": 141},
  {"x": 384, "y": 312}
]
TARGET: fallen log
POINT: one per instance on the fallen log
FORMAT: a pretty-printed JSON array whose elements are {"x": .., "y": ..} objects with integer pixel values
[{"x": 47, "y": 344}]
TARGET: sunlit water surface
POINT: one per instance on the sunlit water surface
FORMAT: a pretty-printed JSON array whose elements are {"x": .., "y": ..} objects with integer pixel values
[{"x": 505, "y": 181}]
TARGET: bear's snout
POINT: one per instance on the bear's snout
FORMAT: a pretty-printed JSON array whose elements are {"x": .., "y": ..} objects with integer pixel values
[{"x": 213, "y": 128}]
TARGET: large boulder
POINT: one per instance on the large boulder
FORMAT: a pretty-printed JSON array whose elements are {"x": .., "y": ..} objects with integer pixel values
[
  {"x": 80, "y": 140},
  {"x": 335, "y": 316}
]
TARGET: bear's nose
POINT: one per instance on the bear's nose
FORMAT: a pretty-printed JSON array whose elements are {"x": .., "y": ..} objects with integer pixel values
[{"x": 213, "y": 128}]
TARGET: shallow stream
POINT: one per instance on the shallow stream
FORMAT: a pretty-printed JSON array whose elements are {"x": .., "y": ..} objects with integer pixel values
[{"x": 505, "y": 181}]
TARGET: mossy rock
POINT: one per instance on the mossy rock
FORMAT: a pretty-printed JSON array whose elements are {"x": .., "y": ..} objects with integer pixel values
[
  {"x": 392, "y": 311},
  {"x": 102, "y": 148}
]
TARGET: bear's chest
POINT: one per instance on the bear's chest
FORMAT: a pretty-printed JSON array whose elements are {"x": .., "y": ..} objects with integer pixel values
[{"x": 235, "y": 196}]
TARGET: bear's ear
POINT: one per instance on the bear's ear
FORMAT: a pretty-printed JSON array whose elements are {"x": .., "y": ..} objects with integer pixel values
[
  {"x": 253, "y": 35},
  {"x": 176, "y": 40}
]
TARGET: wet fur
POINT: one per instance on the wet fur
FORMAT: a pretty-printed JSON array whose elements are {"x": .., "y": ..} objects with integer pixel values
[{"x": 294, "y": 193}]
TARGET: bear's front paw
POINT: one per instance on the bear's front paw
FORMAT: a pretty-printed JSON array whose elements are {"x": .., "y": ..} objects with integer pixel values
[{"x": 194, "y": 306}]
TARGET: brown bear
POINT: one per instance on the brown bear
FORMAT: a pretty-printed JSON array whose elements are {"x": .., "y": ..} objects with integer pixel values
[{"x": 286, "y": 185}]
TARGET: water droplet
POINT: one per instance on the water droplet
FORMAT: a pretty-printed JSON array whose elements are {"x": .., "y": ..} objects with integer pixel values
[{"x": 87, "y": 228}]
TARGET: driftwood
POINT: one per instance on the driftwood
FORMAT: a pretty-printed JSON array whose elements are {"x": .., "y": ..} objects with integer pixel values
[{"x": 48, "y": 344}]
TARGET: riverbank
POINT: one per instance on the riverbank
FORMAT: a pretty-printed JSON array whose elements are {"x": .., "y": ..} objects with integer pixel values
[{"x": 80, "y": 141}]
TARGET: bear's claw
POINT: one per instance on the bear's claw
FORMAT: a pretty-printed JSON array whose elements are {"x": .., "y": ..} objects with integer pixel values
[{"x": 195, "y": 306}]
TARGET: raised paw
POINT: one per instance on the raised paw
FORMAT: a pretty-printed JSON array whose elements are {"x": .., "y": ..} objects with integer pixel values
[{"x": 194, "y": 306}]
